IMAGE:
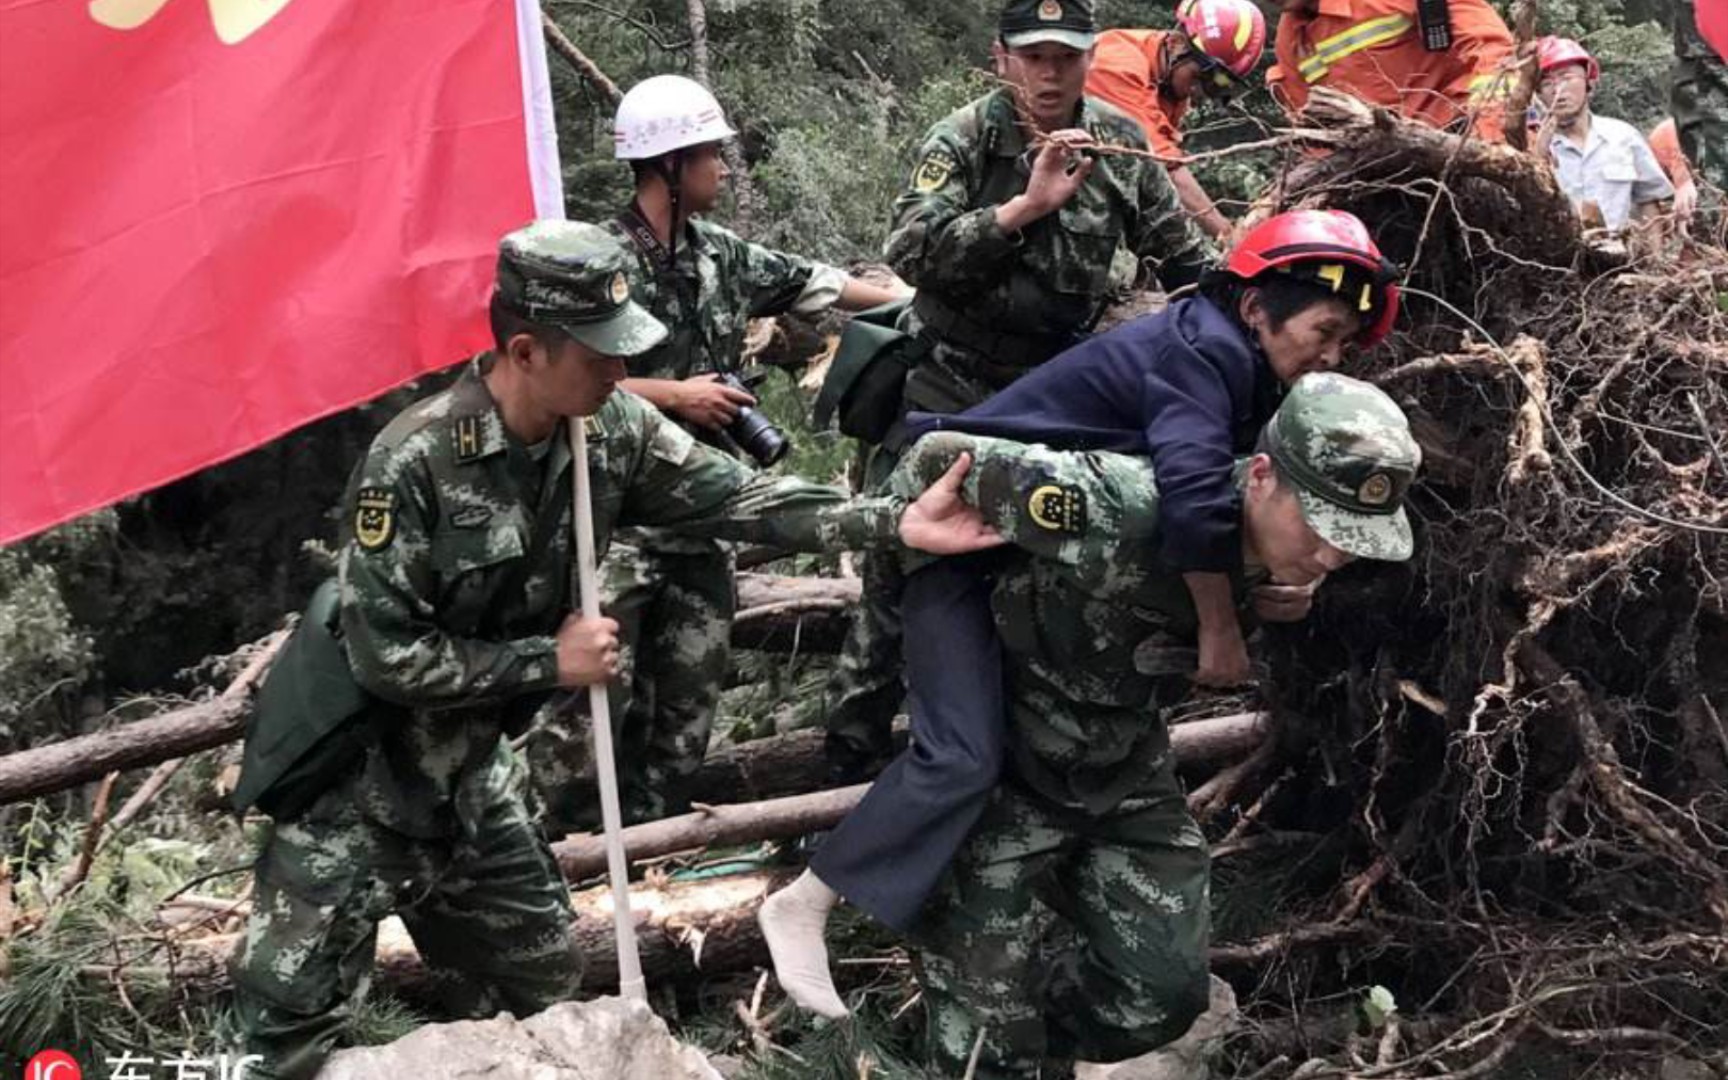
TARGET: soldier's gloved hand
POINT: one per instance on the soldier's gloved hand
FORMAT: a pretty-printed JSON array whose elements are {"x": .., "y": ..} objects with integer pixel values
[
  {"x": 1223, "y": 657},
  {"x": 1285, "y": 603},
  {"x": 707, "y": 403},
  {"x": 587, "y": 651},
  {"x": 942, "y": 522}
]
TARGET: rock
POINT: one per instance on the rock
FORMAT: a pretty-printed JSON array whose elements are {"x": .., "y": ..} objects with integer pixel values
[
  {"x": 1188, "y": 1058},
  {"x": 605, "y": 1039}
]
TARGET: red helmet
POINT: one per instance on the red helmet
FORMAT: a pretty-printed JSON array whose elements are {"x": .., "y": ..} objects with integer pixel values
[
  {"x": 1323, "y": 243},
  {"x": 1230, "y": 32},
  {"x": 1556, "y": 52}
]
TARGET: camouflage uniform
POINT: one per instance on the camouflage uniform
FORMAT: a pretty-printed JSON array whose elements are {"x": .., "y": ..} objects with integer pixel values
[
  {"x": 673, "y": 595},
  {"x": 1090, "y": 823},
  {"x": 432, "y": 822},
  {"x": 992, "y": 306},
  {"x": 1700, "y": 98}
]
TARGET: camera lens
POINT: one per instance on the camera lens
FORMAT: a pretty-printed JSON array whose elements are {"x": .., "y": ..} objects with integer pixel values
[
  {"x": 754, "y": 433},
  {"x": 757, "y": 436}
]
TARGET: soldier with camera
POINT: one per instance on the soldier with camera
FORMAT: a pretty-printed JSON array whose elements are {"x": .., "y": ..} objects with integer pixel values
[{"x": 673, "y": 596}]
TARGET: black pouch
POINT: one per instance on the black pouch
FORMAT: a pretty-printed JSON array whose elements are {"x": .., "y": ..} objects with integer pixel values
[
  {"x": 866, "y": 381},
  {"x": 311, "y": 725}
]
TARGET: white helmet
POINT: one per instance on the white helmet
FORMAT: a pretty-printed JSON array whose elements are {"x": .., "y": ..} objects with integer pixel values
[{"x": 666, "y": 113}]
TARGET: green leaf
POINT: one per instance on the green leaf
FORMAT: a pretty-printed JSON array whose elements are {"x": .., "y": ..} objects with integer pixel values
[{"x": 1378, "y": 1006}]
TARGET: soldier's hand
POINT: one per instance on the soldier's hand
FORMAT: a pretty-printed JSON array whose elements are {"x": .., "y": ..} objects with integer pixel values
[
  {"x": 1223, "y": 658},
  {"x": 706, "y": 402},
  {"x": 941, "y": 522},
  {"x": 1285, "y": 603},
  {"x": 587, "y": 651},
  {"x": 1060, "y": 169}
]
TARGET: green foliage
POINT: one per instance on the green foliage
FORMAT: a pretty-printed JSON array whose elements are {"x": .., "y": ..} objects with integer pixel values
[{"x": 45, "y": 656}]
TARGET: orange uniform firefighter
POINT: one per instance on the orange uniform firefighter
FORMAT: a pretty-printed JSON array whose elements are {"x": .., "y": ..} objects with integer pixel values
[
  {"x": 1386, "y": 52},
  {"x": 1154, "y": 75}
]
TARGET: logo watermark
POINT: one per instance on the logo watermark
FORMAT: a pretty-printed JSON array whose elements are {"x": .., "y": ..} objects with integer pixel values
[{"x": 59, "y": 1065}]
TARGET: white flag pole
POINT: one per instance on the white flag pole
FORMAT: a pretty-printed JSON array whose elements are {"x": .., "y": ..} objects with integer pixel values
[
  {"x": 630, "y": 982},
  {"x": 548, "y": 189}
]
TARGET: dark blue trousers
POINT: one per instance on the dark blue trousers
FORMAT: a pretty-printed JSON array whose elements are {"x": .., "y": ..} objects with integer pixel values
[{"x": 890, "y": 852}]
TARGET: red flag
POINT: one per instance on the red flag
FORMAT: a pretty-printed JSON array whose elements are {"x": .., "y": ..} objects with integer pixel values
[{"x": 220, "y": 219}]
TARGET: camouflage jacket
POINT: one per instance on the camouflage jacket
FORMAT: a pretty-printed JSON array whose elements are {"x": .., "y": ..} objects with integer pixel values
[
  {"x": 1101, "y": 634},
  {"x": 718, "y": 283},
  {"x": 707, "y": 299},
  {"x": 1050, "y": 281},
  {"x": 444, "y": 507}
]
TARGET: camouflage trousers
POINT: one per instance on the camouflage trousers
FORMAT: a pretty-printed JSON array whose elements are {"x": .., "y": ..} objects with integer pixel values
[
  {"x": 1065, "y": 935},
  {"x": 674, "y": 608},
  {"x": 488, "y": 911},
  {"x": 866, "y": 688}
]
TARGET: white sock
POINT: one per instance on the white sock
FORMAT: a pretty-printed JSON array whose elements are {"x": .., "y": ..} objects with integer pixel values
[{"x": 793, "y": 921}]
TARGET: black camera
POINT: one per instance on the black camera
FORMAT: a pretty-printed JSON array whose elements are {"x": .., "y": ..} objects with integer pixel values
[{"x": 754, "y": 433}]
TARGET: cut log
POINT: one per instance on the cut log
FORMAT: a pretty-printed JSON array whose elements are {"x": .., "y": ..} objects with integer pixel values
[
  {"x": 783, "y": 614},
  {"x": 174, "y": 734},
  {"x": 1197, "y": 743}
]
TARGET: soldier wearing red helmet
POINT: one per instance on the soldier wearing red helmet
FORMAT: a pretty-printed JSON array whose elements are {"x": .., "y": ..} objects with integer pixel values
[
  {"x": 1154, "y": 75},
  {"x": 1190, "y": 387},
  {"x": 1603, "y": 164}
]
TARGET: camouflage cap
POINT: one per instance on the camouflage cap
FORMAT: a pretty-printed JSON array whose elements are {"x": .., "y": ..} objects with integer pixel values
[
  {"x": 576, "y": 277},
  {"x": 1066, "y": 22},
  {"x": 1348, "y": 450}
]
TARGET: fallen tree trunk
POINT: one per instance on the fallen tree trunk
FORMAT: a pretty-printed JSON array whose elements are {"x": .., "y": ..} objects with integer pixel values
[
  {"x": 780, "y": 613},
  {"x": 1197, "y": 743}
]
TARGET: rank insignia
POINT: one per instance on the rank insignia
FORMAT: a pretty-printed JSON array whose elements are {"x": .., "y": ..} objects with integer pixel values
[
  {"x": 620, "y": 288},
  {"x": 375, "y": 517},
  {"x": 1049, "y": 11},
  {"x": 1375, "y": 491},
  {"x": 932, "y": 173},
  {"x": 592, "y": 429},
  {"x": 467, "y": 439},
  {"x": 1058, "y": 508}
]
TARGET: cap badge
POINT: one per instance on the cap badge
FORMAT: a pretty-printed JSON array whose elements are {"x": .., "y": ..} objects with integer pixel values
[
  {"x": 620, "y": 288},
  {"x": 1375, "y": 491},
  {"x": 1049, "y": 11}
]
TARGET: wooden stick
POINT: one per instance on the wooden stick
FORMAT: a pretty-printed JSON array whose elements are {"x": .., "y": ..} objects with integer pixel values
[{"x": 630, "y": 982}]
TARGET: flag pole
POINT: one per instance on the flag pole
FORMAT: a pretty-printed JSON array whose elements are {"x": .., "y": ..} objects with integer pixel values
[{"x": 630, "y": 982}]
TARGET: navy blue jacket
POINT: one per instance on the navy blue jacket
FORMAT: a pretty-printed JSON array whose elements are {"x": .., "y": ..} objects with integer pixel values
[{"x": 1186, "y": 386}]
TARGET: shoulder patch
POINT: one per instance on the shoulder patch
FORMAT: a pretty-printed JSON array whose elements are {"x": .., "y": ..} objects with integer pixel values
[
  {"x": 467, "y": 432},
  {"x": 932, "y": 172},
  {"x": 1059, "y": 508},
  {"x": 375, "y": 517}
]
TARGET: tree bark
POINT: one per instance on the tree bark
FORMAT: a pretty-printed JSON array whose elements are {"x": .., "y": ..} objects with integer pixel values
[
  {"x": 588, "y": 69},
  {"x": 742, "y": 188}
]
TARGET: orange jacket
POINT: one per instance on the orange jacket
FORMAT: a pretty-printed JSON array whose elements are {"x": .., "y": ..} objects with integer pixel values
[
  {"x": 1126, "y": 70},
  {"x": 1373, "y": 50},
  {"x": 1665, "y": 144}
]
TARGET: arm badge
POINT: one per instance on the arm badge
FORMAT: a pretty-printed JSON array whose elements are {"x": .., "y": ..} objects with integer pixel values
[
  {"x": 932, "y": 173},
  {"x": 375, "y": 517},
  {"x": 1058, "y": 508}
]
